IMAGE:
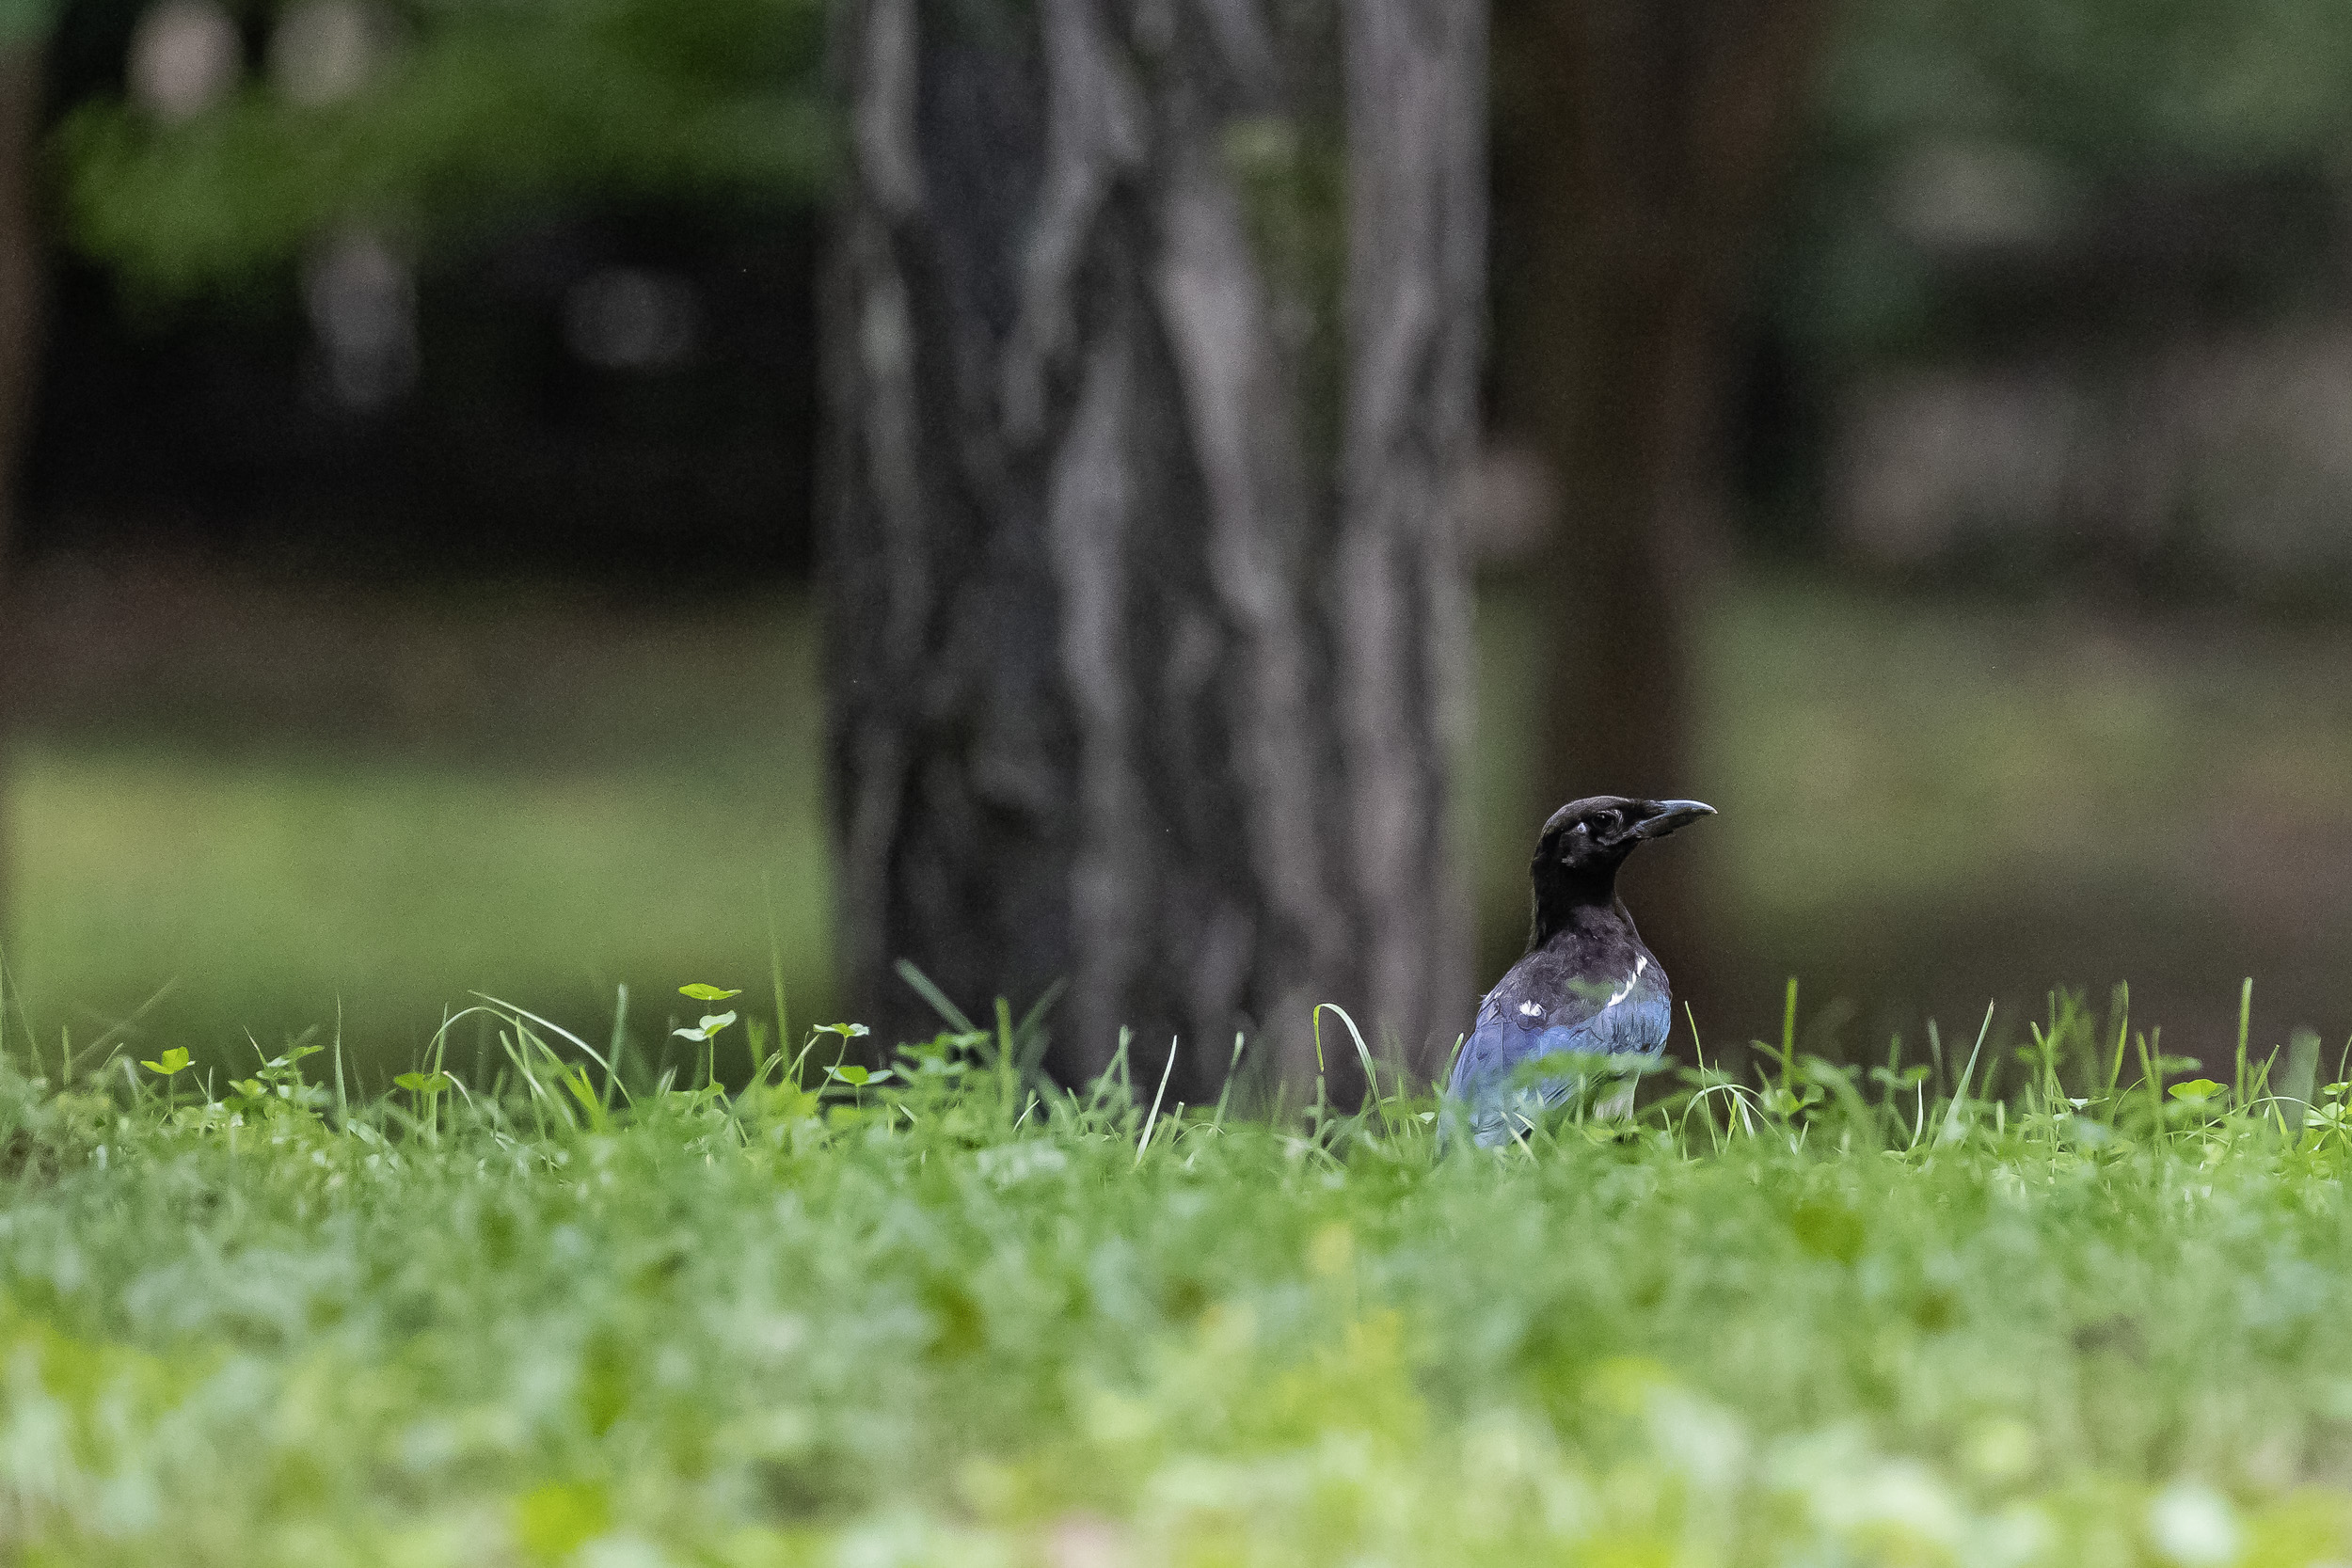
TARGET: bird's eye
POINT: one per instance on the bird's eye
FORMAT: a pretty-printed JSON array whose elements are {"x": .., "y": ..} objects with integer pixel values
[{"x": 1605, "y": 825}]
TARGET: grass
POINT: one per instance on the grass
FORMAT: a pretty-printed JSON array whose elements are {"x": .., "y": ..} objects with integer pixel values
[{"x": 1806, "y": 1315}]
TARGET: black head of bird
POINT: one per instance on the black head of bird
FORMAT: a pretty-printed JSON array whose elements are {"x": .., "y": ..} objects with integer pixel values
[{"x": 1586, "y": 841}]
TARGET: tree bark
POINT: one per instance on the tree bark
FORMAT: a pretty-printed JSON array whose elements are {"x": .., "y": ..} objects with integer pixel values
[
  {"x": 1153, "y": 337},
  {"x": 1640, "y": 141}
]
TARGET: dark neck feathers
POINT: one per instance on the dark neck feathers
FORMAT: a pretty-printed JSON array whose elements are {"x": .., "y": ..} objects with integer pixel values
[{"x": 1580, "y": 901}]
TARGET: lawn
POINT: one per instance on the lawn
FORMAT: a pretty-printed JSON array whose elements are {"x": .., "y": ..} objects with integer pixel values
[{"x": 1822, "y": 1317}]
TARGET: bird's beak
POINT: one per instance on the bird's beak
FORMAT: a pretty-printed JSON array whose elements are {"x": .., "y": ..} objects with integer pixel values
[{"x": 1661, "y": 817}]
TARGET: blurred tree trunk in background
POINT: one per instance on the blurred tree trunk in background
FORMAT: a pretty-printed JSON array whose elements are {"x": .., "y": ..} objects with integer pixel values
[
  {"x": 20, "y": 312},
  {"x": 1154, "y": 335},
  {"x": 20, "y": 290},
  {"x": 1638, "y": 145}
]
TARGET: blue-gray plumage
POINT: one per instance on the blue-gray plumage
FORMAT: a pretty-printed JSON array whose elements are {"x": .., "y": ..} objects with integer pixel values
[{"x": 1586, "y": 984}]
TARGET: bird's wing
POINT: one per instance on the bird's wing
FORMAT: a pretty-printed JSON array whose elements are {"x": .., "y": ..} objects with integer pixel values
[{"x": 1630, "y": 1017}]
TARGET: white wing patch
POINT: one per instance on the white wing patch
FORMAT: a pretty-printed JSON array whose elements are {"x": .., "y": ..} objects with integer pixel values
[
  {"x": 1625, "y": 990},
  {"x": 1533, "y": 1009}
]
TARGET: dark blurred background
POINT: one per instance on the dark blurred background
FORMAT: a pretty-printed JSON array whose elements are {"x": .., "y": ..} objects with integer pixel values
[{"x": 409, "y": 588}]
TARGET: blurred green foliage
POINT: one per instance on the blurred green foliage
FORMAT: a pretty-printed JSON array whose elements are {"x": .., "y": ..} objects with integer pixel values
[
  {"x": 486, "y": 104},
  {"x": 2104, "y": 85},
  {"x": 2027, "y": 121},
  {"x": 19, "y": 18},
  {"x": 479, "y": 107}
]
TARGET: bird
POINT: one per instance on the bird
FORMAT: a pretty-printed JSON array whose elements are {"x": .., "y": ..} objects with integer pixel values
[{"x": 1586, "y": 985}]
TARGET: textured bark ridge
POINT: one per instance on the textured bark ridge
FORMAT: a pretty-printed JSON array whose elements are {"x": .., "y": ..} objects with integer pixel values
[{"x": 1153, "y": 362}]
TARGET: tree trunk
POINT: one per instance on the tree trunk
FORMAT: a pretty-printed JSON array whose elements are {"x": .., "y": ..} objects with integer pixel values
[
  {"x": 20, "y": 275},
  {"x": 1154, "y": 336},
  {"x": 1640, "y": 140},
  {"x": 20, "y": 326}
]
